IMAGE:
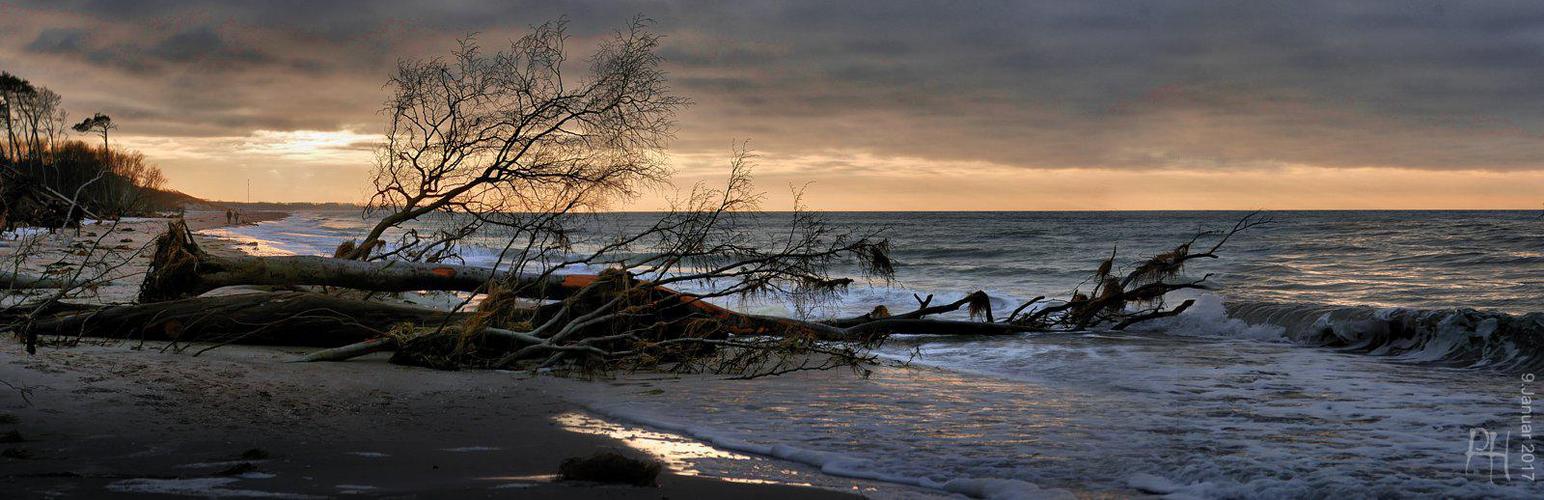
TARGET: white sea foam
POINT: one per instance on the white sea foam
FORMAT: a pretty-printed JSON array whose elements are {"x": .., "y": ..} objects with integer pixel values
[
  {"x": 1208, "y": 317},
  {"x": 838, "y": 464}
]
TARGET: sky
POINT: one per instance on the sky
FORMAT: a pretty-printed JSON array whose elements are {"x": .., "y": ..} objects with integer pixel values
[{"x": 897, "y": 105}]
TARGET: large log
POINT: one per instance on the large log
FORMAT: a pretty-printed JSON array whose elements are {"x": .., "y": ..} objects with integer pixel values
[
  {"x": 282, "y": 318},
  {"x": 181, "y": 269}
]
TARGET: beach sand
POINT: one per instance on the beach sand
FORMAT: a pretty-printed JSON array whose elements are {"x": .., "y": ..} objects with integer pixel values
[
  {"x": 123, "y": 419},
  {"x": 104, "y": 419}
]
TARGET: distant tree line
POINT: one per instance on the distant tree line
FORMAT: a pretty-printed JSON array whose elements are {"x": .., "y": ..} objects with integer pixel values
[{"x": 49, "y": 179}]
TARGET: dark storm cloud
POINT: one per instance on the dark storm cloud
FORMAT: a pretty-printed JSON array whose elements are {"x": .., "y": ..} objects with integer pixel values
[
  {"x": 200, "y": 45},
  {"x": 59, "y": 41},
  {"x": 1110, "y": 84}
]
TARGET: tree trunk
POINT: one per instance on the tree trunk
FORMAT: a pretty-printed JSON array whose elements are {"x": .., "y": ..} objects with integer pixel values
[
  {"x": 282, "y": 318},
  {"x": 180, "y": 269}
]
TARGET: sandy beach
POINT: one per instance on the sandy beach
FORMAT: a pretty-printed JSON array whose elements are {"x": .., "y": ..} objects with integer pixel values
[
  {"x": 106, "y": 420},
  {"x": 112, "y": 418}
]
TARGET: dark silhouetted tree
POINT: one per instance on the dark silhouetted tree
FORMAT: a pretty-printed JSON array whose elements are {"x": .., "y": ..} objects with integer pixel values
[
  {"x": 12, "y": 91},
  {"x": 509, "y": 132},
  {"x": 99, "y": 124}
]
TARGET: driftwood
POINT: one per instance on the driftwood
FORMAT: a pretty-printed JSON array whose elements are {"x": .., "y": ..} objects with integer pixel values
[
  {"x": 351, "y": 351},
  {"x": 980, "y": 305},
  {"x": 283, "y": 318},
  {"x": 181, "y": 269}
]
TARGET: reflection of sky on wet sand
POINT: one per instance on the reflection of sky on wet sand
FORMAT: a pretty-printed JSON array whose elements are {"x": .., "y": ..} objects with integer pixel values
[
  {"x": 676, "y": 452},
  {"x": 249, "y": 244},
  {"x": 690, "y": 457}
]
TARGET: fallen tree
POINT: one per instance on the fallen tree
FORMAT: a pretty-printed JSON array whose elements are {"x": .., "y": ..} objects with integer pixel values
[
  {"x": 611, "y": 320},
  {"x": 180, "y": 269}
]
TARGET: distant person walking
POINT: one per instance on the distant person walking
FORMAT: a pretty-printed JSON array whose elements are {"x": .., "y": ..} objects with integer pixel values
[{"x": 229, "y": 217}]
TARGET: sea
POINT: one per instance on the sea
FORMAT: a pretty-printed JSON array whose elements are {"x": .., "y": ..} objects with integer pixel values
[{"x": 1344, "y": 354}]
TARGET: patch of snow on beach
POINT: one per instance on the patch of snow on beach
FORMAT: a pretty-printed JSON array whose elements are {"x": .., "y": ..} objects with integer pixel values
[{"x": 23, "y": 232}]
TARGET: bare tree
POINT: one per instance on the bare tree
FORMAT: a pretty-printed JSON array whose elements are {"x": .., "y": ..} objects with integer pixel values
[
  {"x": 28, "y": 112},
  {"x": 36, "y": 109},
  {"x": 12, "y": 88},
  {"x": 55, "y": 130},
  {"x": 129, "y": 180},
  {"x": 509, "y": 132}
]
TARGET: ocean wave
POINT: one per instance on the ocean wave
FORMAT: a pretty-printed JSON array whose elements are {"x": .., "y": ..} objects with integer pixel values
[
  {"x": 839, "y": 464},
  {"x": 1456, "y": 337}
]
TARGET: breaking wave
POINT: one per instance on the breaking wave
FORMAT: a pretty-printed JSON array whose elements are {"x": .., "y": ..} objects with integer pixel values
[{"x": 1458, "y": 337}]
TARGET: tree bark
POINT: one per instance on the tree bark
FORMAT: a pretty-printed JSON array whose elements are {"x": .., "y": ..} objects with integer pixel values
[
  {"x": 180, "y": 269},
  {"x": 282, "y": 318}
]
